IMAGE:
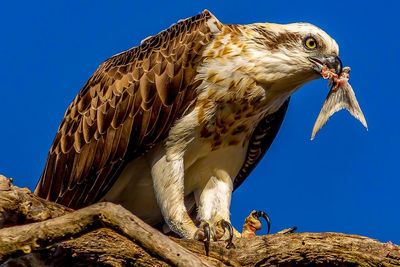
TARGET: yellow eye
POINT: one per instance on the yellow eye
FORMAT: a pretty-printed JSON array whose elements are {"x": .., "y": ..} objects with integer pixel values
[{"x": 310, "y": 43}]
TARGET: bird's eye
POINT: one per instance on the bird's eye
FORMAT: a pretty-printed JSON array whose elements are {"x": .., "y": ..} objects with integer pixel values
[{"x": 310, "y": 43}]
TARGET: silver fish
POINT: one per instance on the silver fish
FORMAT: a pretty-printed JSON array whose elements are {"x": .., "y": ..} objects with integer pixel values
[{"x": 341, "y": 96}]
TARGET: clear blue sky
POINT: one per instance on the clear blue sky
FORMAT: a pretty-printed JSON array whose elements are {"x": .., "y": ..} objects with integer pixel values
[{"x": 346, "y": 180}]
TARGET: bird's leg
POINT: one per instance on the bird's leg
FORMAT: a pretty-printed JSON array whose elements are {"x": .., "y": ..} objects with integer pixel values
[
  {"x": 204, "y": 234},
  {"x": 253, "y": 224},
  {"x": 169, "y": 191},
  {"x": 213, "y": 201},
  {"x": 226, "y": 226}
]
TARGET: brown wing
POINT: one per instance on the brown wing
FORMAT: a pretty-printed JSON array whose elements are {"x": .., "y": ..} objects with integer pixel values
[
  {"x": 125, "y": 108},
  {"x": 260, "y": 142}
]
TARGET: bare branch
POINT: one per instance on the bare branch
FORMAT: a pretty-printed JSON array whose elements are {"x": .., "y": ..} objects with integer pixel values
[{"x": 35, "y": 231}]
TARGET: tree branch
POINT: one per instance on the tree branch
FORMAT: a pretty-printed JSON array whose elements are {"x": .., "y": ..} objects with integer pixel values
[{"x": 35, "y": 231}]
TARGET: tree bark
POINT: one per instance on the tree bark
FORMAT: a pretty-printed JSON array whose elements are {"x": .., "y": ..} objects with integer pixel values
[{"x": 35, "y": 232}]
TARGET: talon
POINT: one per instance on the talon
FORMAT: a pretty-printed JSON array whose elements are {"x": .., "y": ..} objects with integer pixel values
[
  {"x": 253, "y": 224},
  {"x": 207, "y": 233},
  {"x": 258, "y": 214},
  {"x": 225, "y": 225}
]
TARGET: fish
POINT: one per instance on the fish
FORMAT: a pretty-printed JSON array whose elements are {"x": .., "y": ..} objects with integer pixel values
[{"x": 340, "y": 96}]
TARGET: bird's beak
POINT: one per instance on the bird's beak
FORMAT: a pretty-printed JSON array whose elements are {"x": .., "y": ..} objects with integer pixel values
[{"x": 331, "y": 62}]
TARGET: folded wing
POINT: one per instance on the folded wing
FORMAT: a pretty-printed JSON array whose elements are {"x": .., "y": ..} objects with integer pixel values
[{"x": 125, "y": 108}]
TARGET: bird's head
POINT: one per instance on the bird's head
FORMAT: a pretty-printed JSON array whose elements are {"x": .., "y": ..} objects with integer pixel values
[{"x": 288, "y": 56}]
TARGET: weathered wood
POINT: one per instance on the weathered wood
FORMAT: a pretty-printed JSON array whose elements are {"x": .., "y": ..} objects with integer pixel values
[
  {"x": 29, "y": 237},
  {"x": 21, "y": 206},
  {"x": 36, "y": 232},
  {"x": 303, "y": 248}
]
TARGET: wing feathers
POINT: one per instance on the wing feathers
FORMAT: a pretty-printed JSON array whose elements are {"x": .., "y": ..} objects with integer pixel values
[
  {"x": 128, "y": 104},
  {"x": 260, "y": 142}
]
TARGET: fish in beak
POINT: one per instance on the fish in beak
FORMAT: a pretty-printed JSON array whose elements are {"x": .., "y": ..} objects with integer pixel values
[
  {"x": 331, "y": 62},
  {"x": 341, "y": 95}
]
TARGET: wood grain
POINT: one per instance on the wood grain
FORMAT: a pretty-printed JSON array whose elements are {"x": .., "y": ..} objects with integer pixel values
[{"x": 34, "y": 231}]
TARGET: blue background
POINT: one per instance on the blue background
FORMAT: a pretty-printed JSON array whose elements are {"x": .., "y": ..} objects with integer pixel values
[{"x": 346, "y": 180}]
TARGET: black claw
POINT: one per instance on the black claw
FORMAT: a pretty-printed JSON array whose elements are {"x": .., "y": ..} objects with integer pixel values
[
  {"x": 207, "y": 233},
  {"x": 259, "y": 214},
  {"x": 226, "y": 225}
]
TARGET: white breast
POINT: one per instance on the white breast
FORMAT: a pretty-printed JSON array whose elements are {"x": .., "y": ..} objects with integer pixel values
[{"x": 134, "y": 188}]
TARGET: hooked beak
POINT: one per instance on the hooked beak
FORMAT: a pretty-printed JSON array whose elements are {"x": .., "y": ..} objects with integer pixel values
[{"x": 332, "y": 62}]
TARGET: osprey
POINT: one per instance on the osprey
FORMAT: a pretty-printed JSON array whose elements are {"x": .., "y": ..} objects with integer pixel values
[{"x": 170, "y": 128}]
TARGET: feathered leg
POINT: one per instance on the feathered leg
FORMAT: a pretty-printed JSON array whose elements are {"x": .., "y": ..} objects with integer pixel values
[{"x": 169, "y": 190}]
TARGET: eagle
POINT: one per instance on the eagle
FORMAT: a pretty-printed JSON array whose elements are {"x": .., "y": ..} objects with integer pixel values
[{"x": 170, "y": 128}]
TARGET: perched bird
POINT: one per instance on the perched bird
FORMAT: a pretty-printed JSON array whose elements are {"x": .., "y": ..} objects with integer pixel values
[{"x": 170, "y": 128}]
